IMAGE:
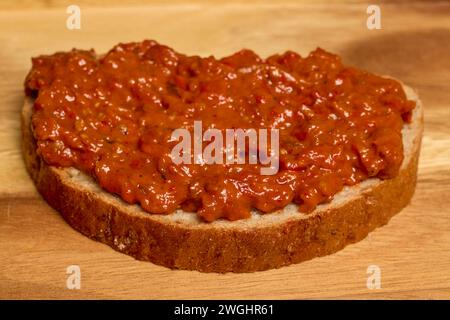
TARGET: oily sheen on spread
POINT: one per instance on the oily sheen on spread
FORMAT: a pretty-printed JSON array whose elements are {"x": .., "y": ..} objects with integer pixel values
[{"x": 112, "y": 117}]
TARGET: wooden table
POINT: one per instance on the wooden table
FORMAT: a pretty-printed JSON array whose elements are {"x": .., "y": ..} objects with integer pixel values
[{"x": 412, "y": 251}]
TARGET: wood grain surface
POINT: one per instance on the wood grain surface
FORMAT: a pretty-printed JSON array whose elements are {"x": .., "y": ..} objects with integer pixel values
[{"x": 412, "y": 251}]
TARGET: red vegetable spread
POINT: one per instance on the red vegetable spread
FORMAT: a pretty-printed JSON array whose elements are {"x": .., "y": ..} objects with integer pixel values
[{"x": 112, "y": 117}]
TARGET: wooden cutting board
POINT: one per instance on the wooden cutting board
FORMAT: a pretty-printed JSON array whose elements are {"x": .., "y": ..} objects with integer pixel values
[{"x": 412, "y": 251}]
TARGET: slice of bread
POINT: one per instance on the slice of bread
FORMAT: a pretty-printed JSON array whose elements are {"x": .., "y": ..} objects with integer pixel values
[{"x": 264, "y": 241}]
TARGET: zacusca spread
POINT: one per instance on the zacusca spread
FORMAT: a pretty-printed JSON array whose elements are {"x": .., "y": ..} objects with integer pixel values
[{"x": 112, "y": 117}]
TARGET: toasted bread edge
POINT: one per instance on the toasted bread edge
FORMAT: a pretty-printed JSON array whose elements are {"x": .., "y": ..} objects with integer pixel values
[{"x": 221, "y": 247}]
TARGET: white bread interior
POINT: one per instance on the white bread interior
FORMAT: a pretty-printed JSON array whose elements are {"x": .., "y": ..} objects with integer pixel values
[{"x": 410, "y": 133}]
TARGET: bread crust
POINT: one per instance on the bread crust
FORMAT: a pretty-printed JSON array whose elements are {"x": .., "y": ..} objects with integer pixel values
[{"x": 220, "y": 246}]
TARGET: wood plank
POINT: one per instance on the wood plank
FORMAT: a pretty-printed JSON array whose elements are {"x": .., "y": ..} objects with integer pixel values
[{"x": 413, "y": 252}]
